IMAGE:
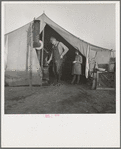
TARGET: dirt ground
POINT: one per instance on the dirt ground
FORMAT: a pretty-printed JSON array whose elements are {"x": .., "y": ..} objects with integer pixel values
[{"x": 63, "y": 99}]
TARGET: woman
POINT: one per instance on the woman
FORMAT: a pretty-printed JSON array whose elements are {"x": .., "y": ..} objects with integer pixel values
[{"x": 77, "y": 71}]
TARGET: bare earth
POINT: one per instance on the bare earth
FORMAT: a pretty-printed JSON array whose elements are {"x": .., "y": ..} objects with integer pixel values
[{"x": 63, "y": 99}]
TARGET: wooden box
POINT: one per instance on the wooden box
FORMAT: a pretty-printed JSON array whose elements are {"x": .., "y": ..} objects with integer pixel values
[{"x": 105, "y": 80}]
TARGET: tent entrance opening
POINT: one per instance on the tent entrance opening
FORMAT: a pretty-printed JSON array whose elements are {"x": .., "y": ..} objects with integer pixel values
[{"x": 70, "y": 56}]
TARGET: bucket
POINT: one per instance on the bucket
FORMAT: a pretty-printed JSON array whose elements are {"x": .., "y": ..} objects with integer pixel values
[{"x": 46, "y": 73}]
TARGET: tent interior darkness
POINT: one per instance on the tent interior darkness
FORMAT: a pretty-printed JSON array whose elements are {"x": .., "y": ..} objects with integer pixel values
[{"x": 70, "y": 56}]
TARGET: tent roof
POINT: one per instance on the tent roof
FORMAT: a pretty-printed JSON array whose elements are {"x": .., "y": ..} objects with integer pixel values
[{"x": 73, "y": 40}]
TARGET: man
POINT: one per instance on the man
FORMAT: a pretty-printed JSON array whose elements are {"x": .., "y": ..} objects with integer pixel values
[{"x": 58, "y": 56}]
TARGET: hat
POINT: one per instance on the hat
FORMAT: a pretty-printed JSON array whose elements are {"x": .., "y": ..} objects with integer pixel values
[{"x": 52, "y": 38}]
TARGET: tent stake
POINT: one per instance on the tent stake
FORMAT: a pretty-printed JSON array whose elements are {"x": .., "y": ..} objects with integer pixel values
[{"x": 39, "y": 56}]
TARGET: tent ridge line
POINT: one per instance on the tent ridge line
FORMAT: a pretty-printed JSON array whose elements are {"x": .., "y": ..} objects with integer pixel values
[
  {"x": 62, "y": 27},
  {"x": 17, "y": 28},
  {"x": 21, "y": 26}
]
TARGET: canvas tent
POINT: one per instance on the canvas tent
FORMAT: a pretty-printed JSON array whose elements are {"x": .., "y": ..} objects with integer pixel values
[{"x": 17, "y": 55}]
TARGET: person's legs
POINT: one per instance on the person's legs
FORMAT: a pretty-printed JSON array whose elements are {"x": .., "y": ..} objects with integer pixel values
[
  {"x": 55, "y": 71},
  {"x": 74, "y": 77},
  {"x": 78, "y": 79},
  {"x": 59, "y": 70}
]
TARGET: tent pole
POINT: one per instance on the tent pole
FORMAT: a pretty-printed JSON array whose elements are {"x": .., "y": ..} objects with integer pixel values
[
  {"x": 39, "y": 56},
  {"x": 42, "y": 51},
  {"x": 31, "y": 48}
]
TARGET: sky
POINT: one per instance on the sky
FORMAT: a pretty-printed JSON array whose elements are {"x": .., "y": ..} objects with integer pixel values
[{"x": 94, "y": 23}]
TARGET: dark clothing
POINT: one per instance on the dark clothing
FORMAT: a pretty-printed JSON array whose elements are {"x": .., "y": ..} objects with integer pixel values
[
  {"x": 61, "y": 48},
  {"x": 77, "y": 67},
  {"x": 57, "y": 69},
  {"x": 57, "y": 62},
  {"x": 56, "y": 55}
]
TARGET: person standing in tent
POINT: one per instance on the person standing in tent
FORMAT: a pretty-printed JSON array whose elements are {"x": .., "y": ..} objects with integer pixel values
[
  {"x": 77, "y": 67},
  {"x": 58, "y": 57}
]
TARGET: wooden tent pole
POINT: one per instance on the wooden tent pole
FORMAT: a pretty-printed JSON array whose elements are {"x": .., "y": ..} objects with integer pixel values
[
  {"x": 39, "y": 54},
  {"x": 31, "y": 48}
]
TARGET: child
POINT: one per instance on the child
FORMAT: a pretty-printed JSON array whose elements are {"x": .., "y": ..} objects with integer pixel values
[{"x": 77, "y": 71}]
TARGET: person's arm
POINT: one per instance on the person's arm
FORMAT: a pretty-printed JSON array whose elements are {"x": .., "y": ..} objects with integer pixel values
[
  {"x": 50, "y": 58},
  {"x": 65, "y": 49},
  {"x": 80, "y": 60}
]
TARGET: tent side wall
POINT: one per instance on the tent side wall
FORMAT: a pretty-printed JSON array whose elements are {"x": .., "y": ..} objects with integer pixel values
[{"x": 17, "y": 72}]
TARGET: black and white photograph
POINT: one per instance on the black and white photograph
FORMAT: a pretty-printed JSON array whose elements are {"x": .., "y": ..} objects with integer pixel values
[
  {"x": 59, "y": 58},
  {"x": 49, "y": 70}
]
